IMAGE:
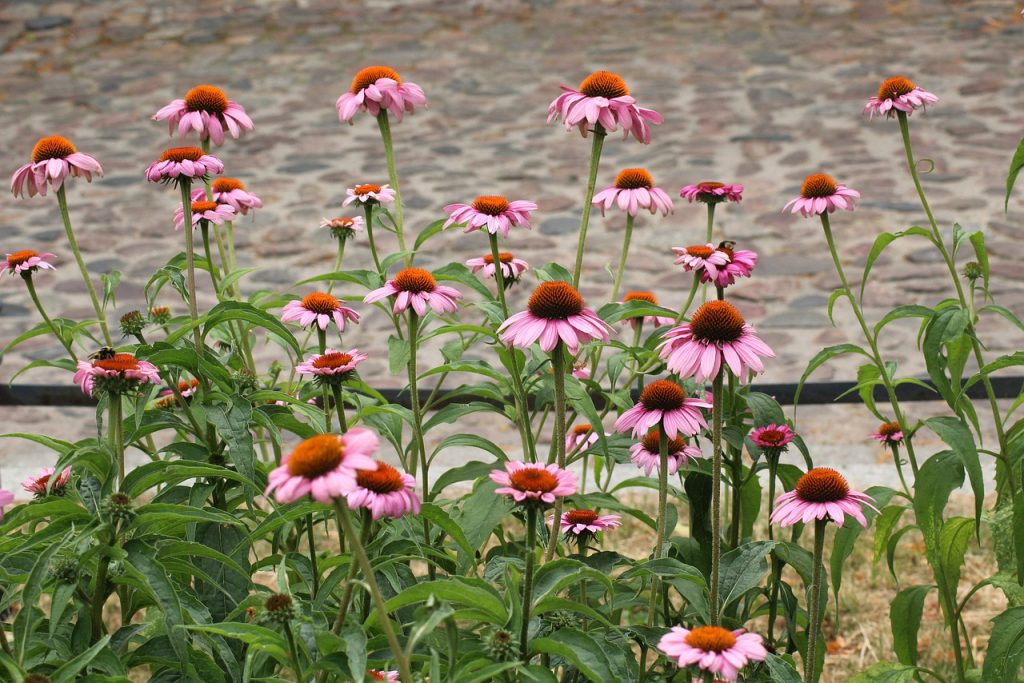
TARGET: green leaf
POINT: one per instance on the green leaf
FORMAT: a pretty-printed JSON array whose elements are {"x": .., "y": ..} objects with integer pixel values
[
  {"x": 901, "y": 312},
  {"x": 259, "y": 638},
  {"x": 554, "y": 576},
  {"x": 742, "y": 569},
  {"x": 954, "y": 536},
  {"x": 398, "y": 355},
  {"x": 68, "y": 672},
  {"x": 439, "y": 517},
  {"x": 229, "y": 541},
  {"x": 110, "y": 282},
  {"x": 885, "y": 523},
  {"x": 781, "y": 670},
  {"x": 233, "y": 425},
  {"x": 958, "y": 437},
  {"x": 905, "y": 618},
  {"x": 1005, "y": 647},
  {"x": 231, "y": 278},
  {"x": 227, "y": 311},
  {"x": 482, "y": 511},
  {"x": 577, "y": 396},
  {"x": 141, "y": 560},
  {"x": 981, "y": 254},
  {"x": 24, "y": 621},
  {"x": 886, "y": 672},
  {"x": 822, "y": 357},
  {"x": 848, "y": 535},
  {"x": 1006, "y": 313},
  {"x": 428, "y": 232},
  {"x": 881, "y": 242},
  {"x": 579, "y": 649},
  {"x": 1016, "y": 164},
  {"x": 468, "y": 472},
  {"x": 482, "y": 601},
  {"x": 938, "y": 477},
  {"x": 765, "y": 409}
]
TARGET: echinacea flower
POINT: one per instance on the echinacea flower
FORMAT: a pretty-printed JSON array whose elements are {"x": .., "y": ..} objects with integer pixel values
[
  {"x": 493, "y": 213},
  {"x": 387, "y": 676},
  {"x": 889, "y": 432},
  {"x": 115, "y": 374},
  {"x": 581, "y": 436},
  {"x": 187, "y": 389},
  {"x": 713, "y": 648},
  {"x": 821, "y": 194},
  {"x": 646, "y": 454},
  {"x": 318, "y": 308},
  {"x": 376, "y": 89},
  {"x": 664, "y": 402},
  {"x": 203, "y": 210},
  {"x": 705, "y": 259},
  {"x": 603, "y": 99},
  {"x": 648, "y": 297},
  {"x": 512, "y": 268},
  {"x": 528, "y": 482},
  {"x": 54, "y": 158},
  {"x": 324, "y": 466},
  {"x": 741, "y": 264},
  {"x": 555, "y": 311},
  {"x": 580, "y": 370},
  {"x": 26, "y": 262},
  {"x": 369, "y": 193},
  {"x": 180, "y": 163},
  {"x": 344, "y": 227},
  {"x": 582, "y": 524},
  {"x": 773, "y": 439},
  {"x": 207, "y": 110},
  {"x": 160, "y": 315},
  {"x": 715, "y": 334},
  {"x": 331, "y": 366},
  {"x": 634, "y": 190},
  {"x": 6, "y": 498},
  {"x": 230, "y": 191},
  {"x": 38, "y": 484},
  {"x": 821, "y": 493},
  {"x": 385, "y": 492},
  {"x": 416, "y": 288},
  {"x": 898, "y": 94},
  {"x": 710, "y": 192}
]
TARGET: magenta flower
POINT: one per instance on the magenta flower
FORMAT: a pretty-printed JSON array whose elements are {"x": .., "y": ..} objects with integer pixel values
[
  {"x": 647, "y": 453},
  {"x": 203, "y": 210},
  {"x": 820, "y": 194},
  {"x": 822, "y": 493},
  {"x": 581, "y": 436},
  {"x": 512, "y": 268},
  {"x": 713, "y": 648},
  {"x": 634, "y": 190},
  {"x": 385, "y": 492},
  {"x": 534, "y": 482},
  {"x": 324, "y": 466},
  {"x": 318, "y": 308},
  {"x": 715, "y": 334},
  {"x": 232, "y": 192},
  {"x": 387, "y": 676},
  {"x": 369, "y": 193},
  {"x": 26, "y": 262},
  {"x": 38, "y": 484},
  {"x": 6, "y": 498},
  {"x": 664, "y": 402},
  {"x": 704, "y": 259},
  {"x": 417, "y": 288},
  {"x": 604, "y": 99},
  {"x": 183, "y": 162},
  {"x": 889, "y": 432},
  {"x": 586, "y": 523},
  {"x": 331, "y": 364},
  {"x": 379, "y": 88},
  {"x": 208, "y": 111},
  {"x": 649, "y": 297},
  {"x": 898, "y": 94},
  {"x": 117, "y": 374},
  {"x": 495, "y": 214},
  {"x": 555, "y": 311},
  {"x": 773, "y": 439},
  {"x": 741, "y": 264},
  {"x": 343, "y": 228},
  {"x": 581, "y": 371},
  {"x": 54, "y": 158},
  {"x": 710, "y": 192}
]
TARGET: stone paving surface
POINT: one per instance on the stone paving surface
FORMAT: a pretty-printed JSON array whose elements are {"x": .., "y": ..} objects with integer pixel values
[{"x": 758, "y": 93}]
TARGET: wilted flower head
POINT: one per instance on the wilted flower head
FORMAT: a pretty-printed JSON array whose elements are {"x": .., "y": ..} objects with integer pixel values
[
  {"x": 821, "y": 493},
  {"x": 117, "y": 374},
  {"x": 38, "y": 484},
  {"x": 376, "y": 89},
  {"x": 634, "y": 190},
  {"x": 716, "y": 333},
  {"x": 279, "y": 608},
  {"x": 385, "y": 492},
  {"x": 898, "y": 94},
  {"x": 343, "y": 228},
  {"x": 512, "y": 268},
  {"x": 26, "y": 262},
  {"x": 819, "y": 194},
  {"x": 664, "y": 402},
  {"x": 54, "y": 158},
  {"x": 889, "y": 432},
  {"x": 493, "y": 213},
  {"x": 416, "y": 288},
  {"x": 206, "y": 110},
  {"x": 183, "y": 163},
  {"x": 534, "y": 482},
  {"x": 713, "y": 649},
  {"x": 369, "y": 193},
  {"x": 603, "y": 99},
  {"x": 554, "y": 312},
  {"x": 132, "y": 323},
  {"x": 320, "y": 309},
  {"x": 324, "y": 466},
  {"x": 160, "y": 315},
  {"x": 710, "y": 192}
]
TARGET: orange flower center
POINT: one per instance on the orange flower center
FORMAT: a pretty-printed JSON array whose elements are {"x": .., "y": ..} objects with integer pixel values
[
  {"x": 492, "y": 205},
  {"x": 414, "y": 280},
  {"x": 504, "y": 257},
  {"x": 19, "y": 257},
  {"x": 321, "y": 303},
  {"x": 889, "y": 428},
  {"x": 581, "y": 429},
  {"x": 159, "y": 311},
  {"x": 52, "y": 147},
  {"x": 227, "y": 184},
  {"x": 121, "y": 362},
  {"x": 662, "y": 394},
  {"x": 183, "y": 385},
  {"x": 206, "y": 98},
  {"x": 895, "y": 87},
  {"x": 641, "y": 296},
  {"x": 367, "y": 188},
  {"x": 316, "y": 456},
  {"x": 180, "y": 154},
  {"x": 581, "y": 516},
  {"x": 711, "y": 639},
  {"x": 652, "y": 442},
  {"x": 202, "y": 206},
  {"x": 718, "y": 322},
  {"x": 536, "y": 479},
  {"x": 604, "y": 84},
  {"x": 708, "y": 186},
  {"x": 368, "y": 76},
  {"x": 821, "y": 485},
  {"x": 332, "y": 360},
  {"x": 773, "y": 437},
  {"x": 634, "y": 178},
  {"x": 384, "y": 479},
  {"x": 378, "y": 675},
  {"x": 700, "y": 251},
  {"x": 555, "y": 300},
  {"x": 818, "y": 185}
]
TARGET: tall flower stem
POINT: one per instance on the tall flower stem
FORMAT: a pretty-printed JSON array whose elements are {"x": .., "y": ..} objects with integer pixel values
[
  {"x": 204, "y": 229},
  {"x": 689, "y": 298},
  {"x": 337, "y": 262},
  {"x": 776, "y": 563},
  {"x": 814, "y": 609},
  {"x": 626, "y": 238},
  {"x": 389, "y": 154},
  {"x": 558, "y": 438},
  {"x": 595, "y": 160},
  {"x": 359, "y": 551},
  {"x": 190, "y": 261},
  {"x": 899, "y": 468},
  {"x": 638, "y": 333},
  {"x": 420, "y": 450},
  {"x": 709, "y": 234},
  {"x": 659, "y": 542},
  {"x": 368, "y": 208},
  {"x": 62, "y": 203},
  {"x": 872, "y": 343},
  {"x": 27, "y": 277},
  {"x": 116, "y": 436},
  {"x": 339, "y": 405},
  {"x": 531, "y": 560},
  {"x": 716, "y": 494},
  {"x": 293, "y": 652}
]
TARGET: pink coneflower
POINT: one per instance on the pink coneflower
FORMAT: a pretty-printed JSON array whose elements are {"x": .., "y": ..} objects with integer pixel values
[
  {"x": 208, "y": 111},
  {"x": 26, "y": 262},
  {"x": 741, "y": 264},
  {"x": 116, "y": 374},
  {"x": 580, "y": 370},
  {"x": 385, "y": 492},
  {"x": 494, "y": 213},
  {"x": 773, "y": 439},
  {"x": 344, "y": 227},
  {"x": 822, "y": 493},
  {"x": 230, "y": 191},
  {"x": 187, "y": 388},
  {"x": 6, "y": 498},
  {"x": 898, "y": 94},
  {"x": 331, "y": 365},
  {"x": 647, "y": 453},
  {"x": 324, "y": 466},
  {"x": 716, "y": 333},
  {"x": 664, "y": 402},
  {"x": 378, "y": 88},
  {"x": 183, "y": 162},
  {"x": 318, "y": 308},
  {"x": 634, "y": 190},
  {"x": 369, "y": 193},
  {"x": 54, "y": 158},
  {"x": 581, "y": 436},
  {"x": 820, "y": 194},
  {"x": 38, "y": 484},
  {"x": 713, "y": 648},
  {"x": 555, "y": 311},
  {"x": 533, "y": 482},
  {"x": 417, "y": 288},
  {"x": 604, "y": 99},
  {"x": 889, "y": 432},
  {"x": 648, "y": 297},
  {"x": 203, "y": 210},
  {"x": 705, "y": 259},
  {"x": 387, "y": 676},
  {"x": 583, "y": 524},
  {"x": 710, "y": 192},
  {"x": 512, "y": 268}
]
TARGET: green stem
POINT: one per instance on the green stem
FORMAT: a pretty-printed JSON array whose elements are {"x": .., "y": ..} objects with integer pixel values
[
  {"x": 659, "y": 542},
  {"x": 99, "y": 597},
  {"x": 776, "y": 564},
  {"x": 339, "y": 405},
  {"x": 531, "y": 559},
  {"x": 814, "y": 625},
  {"x": 186, "y": 207},
  {"x": 27, "y": 277},
  {"x": 62, "y": 203},
  {"x": 414, "y": 402},
  {"x": 689, "y": 298},
  {"x": 337, "y": 262},
  {"x": 346, "y": 597},
  {"x": 558, "y": 438},
  {"x": 204, "y": 229},
  {"x": 116, "y": 436},
  {"x": 368, "y": 208},
  {"x": 293, "y": 651},
  {"x": 389, "y": 153},
  {"x": 899, "y": 468},
  {"x": 638, "y": 331},
  {"x": 622, "y": 257},
  {"x": 711, "y": 222},
  {"x": 595, "y": 160},
  {"x": 716, "y": 495},
  {"x": 312, "y": 557}
]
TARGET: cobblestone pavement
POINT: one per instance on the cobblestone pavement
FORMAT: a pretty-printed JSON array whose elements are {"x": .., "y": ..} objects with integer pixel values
[{"x": 758, "y": 93}]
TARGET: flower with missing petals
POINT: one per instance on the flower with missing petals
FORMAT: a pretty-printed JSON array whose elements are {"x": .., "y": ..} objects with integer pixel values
[
  {"x": 710, "y": 192},
  {"x": 889, "y": 432},
  {"x": 208, "y": 111},
  {"x": 38, "y": 485},
  {"x": 581, "y": 436},
  {"x": 26, "y": 262},
  {"x": 54, "y": 158},
  {"x": 898, "y": 94}
]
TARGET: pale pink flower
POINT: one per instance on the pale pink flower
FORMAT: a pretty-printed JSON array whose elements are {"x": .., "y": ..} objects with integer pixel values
[
  {"x": 369, "y": 193},
  {"x": 581, "y": 371},
  {"x": 586, "y": 523},
  {"x": 331, "y": 363},
  {"x": 54, "y": 158},
  {"x": 648, "y": 297},
  {"x": 6, "y": 498},
  {"x": 704, "y": 259},
  {"x": 38, "y": 484},
  {"x": 664, "y": 402},
  {"x": 821, "y": 493},
  {"x": 208, "y": 111},
  {"x": 710, "y": 192},
  {"x": 555, "y": 311},
  {"x": 318, "y": 308},
  {"x": 646, "y": 454},
  {"x": 821, "y": 194},
  {"x": 898, "y": 94},
  {"x": 203, "y": 210},
  {"x": 634, "y": 190},
  {"x": 344, "y": 227},
  {"x": 26, "y": 262},
  {"x": 180, "y": 163},
  {"x": 376, "y": 89},
  {"x": 534, "y": 482},
  {"x": 385, "y": 492},
  {"x": 741, "y": 264},
  {"x": 387, "y": 676},
  {"x": 512, "y": 268},
  {"x": 324, "y": 466},
  {"x": 713, "y": 648},
  {"x": 889, "y": 432},
  {"x": 493, "y": 213},
  {"x": 232, "y": 192},
  {"x": 416, "y": 288},
  {"x": 773, "y": 439},
  {"x": 116, "y": 374},
  {"x": 715, "y": 334},
  {"x": 581, "y": 436},
  {"x": 603, "y": 99}
]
